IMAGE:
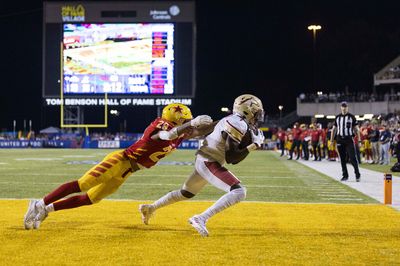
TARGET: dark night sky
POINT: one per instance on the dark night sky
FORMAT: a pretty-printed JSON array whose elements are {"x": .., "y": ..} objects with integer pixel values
[{"x": 259, "y": 47}]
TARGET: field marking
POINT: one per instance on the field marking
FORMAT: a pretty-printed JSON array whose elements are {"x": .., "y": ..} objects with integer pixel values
[
  {"x": 337, "y": 195},
  {"x": 356, "y": 199},
  {"x": 37, "y": 174},
  {"x": 211, "y": 201},
  {"x": 4, "y": 163},
  {"x": 329, "y": 188},
  {"x": 38, "y": 159},
  {"x": 139, "y": 175},
  {"x": 333, "y": 185},
  {"x": 336, "y": 191},
  {"x": 269, "y": 171},
  {"x": 148, "y": 184},
  {"x": 78, "y": 156},
  {"x": 326, "y": 187}
]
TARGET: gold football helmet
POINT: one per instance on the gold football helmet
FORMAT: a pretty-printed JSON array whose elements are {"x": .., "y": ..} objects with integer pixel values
[
  {"x": 176, "y": 113},
  {"x": 250, "y": 108}
]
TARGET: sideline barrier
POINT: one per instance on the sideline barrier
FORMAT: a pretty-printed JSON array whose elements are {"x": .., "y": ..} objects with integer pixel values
[
  {"x": 87, "y": 144},
  {"x": 21, "y": 144}
]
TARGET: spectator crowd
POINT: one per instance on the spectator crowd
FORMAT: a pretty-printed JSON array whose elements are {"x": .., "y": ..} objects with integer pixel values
[
  {"x": 333, "y": 97},
  {"x": 379, "y": 141}
]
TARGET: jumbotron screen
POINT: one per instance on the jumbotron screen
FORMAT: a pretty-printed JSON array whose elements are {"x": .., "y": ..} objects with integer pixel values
[{"x": 118, "y": 58}]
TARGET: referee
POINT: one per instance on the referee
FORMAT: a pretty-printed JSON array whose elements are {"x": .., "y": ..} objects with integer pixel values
[{"x": 345, "y": 127}]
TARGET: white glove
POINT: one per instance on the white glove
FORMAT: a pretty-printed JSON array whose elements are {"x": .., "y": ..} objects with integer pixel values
[
  {"x": 201, "y": 120},
  {"x": 258, "y": 137}
]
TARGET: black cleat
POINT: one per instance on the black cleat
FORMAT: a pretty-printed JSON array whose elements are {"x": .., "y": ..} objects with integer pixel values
[
  {"x": 344, "y": 179},
  {"x": 358, "y": 179}
]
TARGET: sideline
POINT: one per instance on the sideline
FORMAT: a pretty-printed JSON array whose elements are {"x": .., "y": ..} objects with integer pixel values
[{"x": 371, "y": 183}]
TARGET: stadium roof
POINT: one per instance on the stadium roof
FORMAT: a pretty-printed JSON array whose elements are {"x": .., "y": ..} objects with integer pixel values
[
  {"x": 390, "y": 74},
  {"x": 50, "y": 130}
]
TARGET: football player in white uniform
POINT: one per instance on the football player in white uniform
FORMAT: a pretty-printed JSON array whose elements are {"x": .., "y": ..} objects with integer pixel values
[{"x": 223, "y": 145}]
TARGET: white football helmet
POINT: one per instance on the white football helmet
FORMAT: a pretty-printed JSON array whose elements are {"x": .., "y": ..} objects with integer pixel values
[{"x": 250, "y": 108}]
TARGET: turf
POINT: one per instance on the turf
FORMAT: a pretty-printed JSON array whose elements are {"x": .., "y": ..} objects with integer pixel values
[
  {"x": 111, "y": 233},
  {"x": 293, "y": 216},
  {"x": 31, "y": 173}
]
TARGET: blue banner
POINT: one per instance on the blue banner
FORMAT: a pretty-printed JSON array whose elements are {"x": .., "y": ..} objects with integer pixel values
[
  {"x": 57, "y": 144},
  {"x": 21, "y": 144},
  {"x": 95, "y": 144}
]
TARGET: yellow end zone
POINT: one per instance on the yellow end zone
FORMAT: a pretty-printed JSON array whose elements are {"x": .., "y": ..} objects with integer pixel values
[{"x": 111, "y": 233}]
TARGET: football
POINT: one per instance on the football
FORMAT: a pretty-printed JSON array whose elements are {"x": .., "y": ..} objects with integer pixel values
[{"x": 246, "y": 140}]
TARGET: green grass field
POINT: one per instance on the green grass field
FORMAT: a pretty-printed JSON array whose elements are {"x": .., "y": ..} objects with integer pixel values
[
  {"x": 292, "y": 216},
  {"x": 31, "y": 173}
]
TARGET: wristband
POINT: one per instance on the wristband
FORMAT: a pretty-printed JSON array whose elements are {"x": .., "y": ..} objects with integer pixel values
[{"x": 251, "y": 147}]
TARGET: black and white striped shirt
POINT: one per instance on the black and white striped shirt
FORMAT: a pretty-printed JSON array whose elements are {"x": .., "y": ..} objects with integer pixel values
[{"x": 344, "y": 125}]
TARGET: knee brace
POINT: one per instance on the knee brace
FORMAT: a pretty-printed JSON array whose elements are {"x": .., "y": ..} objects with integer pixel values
[{"x": 187, "y": 194}]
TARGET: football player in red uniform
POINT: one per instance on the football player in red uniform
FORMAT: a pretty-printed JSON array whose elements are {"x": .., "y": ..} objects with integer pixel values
[
  {"x": 365, "y": 131},
  {"x": 282, "y": 139},
  {"x": 296, "y": 132},
  {"x": 159, "y": 139}
]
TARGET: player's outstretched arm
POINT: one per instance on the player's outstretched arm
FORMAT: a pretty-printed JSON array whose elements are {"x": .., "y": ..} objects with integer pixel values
[
  {"x": 187, "y": 127},
  {"x": 201, "y": 131}
]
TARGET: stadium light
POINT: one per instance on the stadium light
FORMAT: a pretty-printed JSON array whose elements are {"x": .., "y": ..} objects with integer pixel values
[
  {"x": 225, "y": 109},
  {"x": 280, "y": 107},
  {"x": 114, "y": 112},
  {"x": 330, "y": 117},
  {"x": 359, "y": 118},
  {"x": 314, "y": 29},
  {"x": 368, "y": 116},
  {"x": 319, "y": 116}
]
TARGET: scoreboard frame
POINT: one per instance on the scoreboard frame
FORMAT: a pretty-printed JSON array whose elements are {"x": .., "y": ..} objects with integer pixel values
[{"x": 57, "y": 13}]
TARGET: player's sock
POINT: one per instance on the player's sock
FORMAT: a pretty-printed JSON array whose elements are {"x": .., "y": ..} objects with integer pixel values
[
  {"x": 50, "y": 207},
  {"x": 72, "y": 202},
  {"x": 227, "y": 200},
  {"x": 62, "y": 191},
  {"x": 171, "y": 197}
]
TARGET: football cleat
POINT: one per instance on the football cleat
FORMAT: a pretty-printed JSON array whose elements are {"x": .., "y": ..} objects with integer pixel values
[
  {"x": 42, "y": 214},
  {"x": 199, "y": 224},
  {"x": 30, "y": 215},
  {"x": 147, "y": 210}
]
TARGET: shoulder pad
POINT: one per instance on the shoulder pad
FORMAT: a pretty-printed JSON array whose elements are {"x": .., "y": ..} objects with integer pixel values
[{"x": 235, "y": 128}]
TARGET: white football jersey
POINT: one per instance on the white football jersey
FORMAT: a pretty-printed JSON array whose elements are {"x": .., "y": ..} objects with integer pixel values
[{"x": 213, "y": 146}]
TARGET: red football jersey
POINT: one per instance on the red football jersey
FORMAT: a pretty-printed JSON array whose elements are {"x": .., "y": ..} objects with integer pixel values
[
  {"x": 303, "y": 134},
  {"x": 315, "y": 133},
  {"x": 296, "y": 133},
  {"x": 365, "y": 131},
  {"x": 281, "y": 135},
  {"x": 148, "y": 152}
]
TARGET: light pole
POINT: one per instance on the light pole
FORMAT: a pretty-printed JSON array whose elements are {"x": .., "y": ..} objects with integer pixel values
[
  {"x": 314, "y": 29},
  {"x": 280, "y": 107},
  {"x": 225, "y": 110}
]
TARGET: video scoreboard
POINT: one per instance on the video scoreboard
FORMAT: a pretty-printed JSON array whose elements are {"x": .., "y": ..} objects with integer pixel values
[{"x": 133, "y": 51}]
